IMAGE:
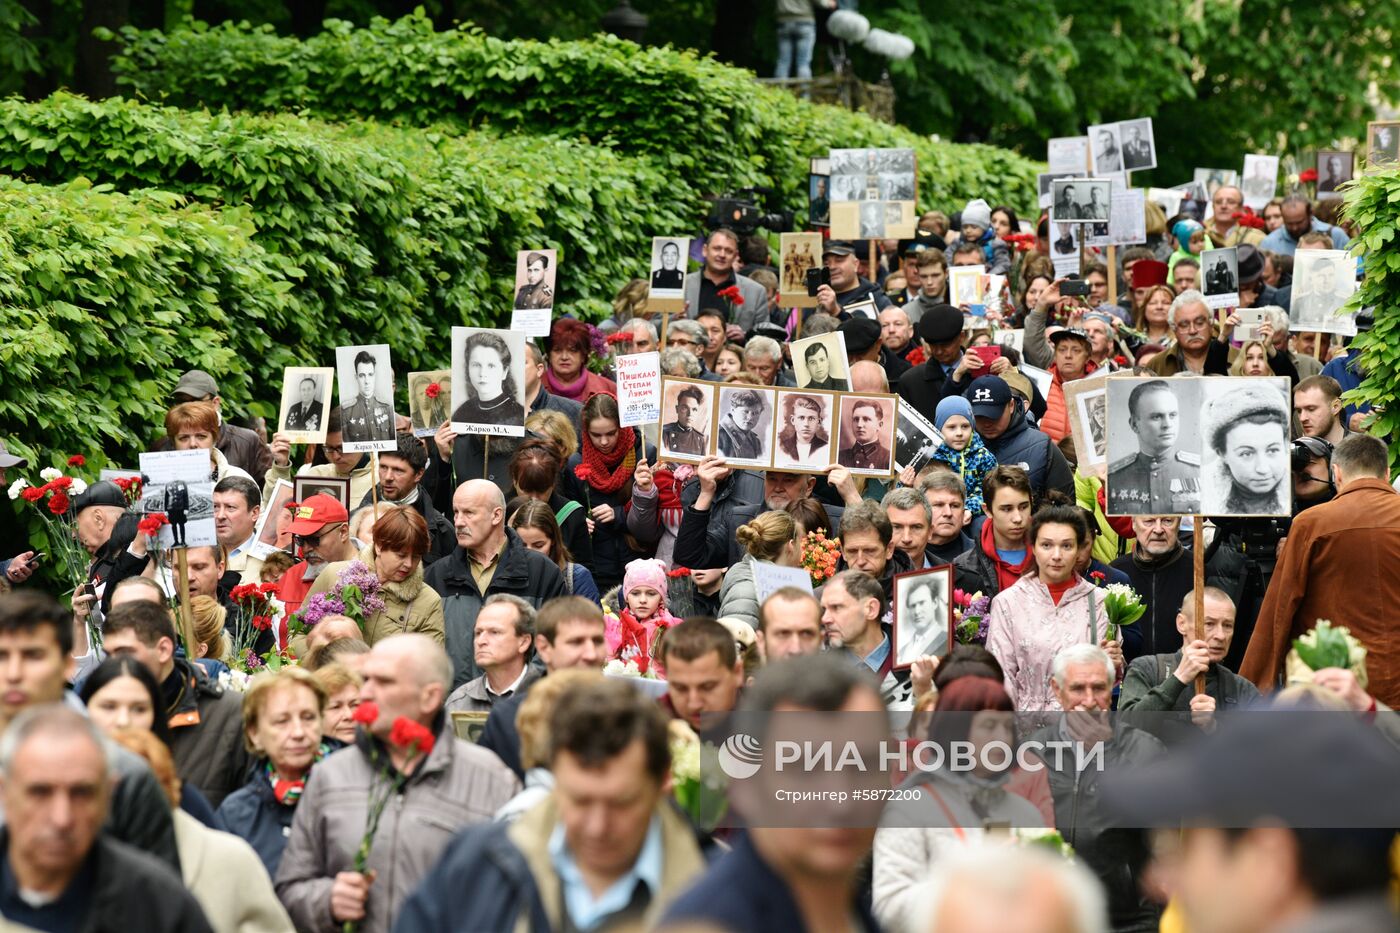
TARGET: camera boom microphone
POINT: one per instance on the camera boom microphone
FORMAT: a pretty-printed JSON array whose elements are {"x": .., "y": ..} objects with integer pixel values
[{"x": 848, "y": 25}]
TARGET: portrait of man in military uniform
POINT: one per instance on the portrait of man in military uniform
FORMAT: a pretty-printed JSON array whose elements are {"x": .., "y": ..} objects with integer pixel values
[
  {"x": 536, "y": 292},
  {"x": 306, "y": 401},
  {"x": 1148, "y": 473},
  {"x": 686, "y": 435},
  {"x": 306, "y": 414},
  {"x": 367, "y": 420},
  {"x": 868, "y": 425}
]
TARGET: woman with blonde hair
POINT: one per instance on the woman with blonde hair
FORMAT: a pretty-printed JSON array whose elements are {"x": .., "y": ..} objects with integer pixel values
[
  {"x": 221, "y": 870},
  {"x": 210, "y": 643},
  {"x": 630, "y": 301},
  {"x": 555, "y": 427},
  {"x": 342, "y": 687},
  {"x": 771, "y": 537},
  {"x": 1150, "y": 317}
]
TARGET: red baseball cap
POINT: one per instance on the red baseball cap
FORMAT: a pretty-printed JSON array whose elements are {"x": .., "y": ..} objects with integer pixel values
[{"x": 315, "y": 512}]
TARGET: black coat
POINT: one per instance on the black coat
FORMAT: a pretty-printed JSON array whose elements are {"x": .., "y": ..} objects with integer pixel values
[
  {"x": 707, "y": 539},
  {"x": 128, "y": 890},
  {"x": 1164, "y": 584},
  {"x": 206, "y": 734},
  {"x": 253, "y": 814},
  {"x": 611, "y": 549},
  {"x": 519, "y": 572}
]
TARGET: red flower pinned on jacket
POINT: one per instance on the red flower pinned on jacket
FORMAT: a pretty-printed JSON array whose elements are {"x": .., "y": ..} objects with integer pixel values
[
  {"x": 365, "y": 714},
  {"x": 58, "y": 505},
  {"x": 731, "y": 295},
  {"x": 77, "y": 460},
  {"x": 1121, "y": 360},
  {"x": 916, "y": 356},
  {"x": 413, "y": 736},
  {"x": 151, "y": 524},
  {"x": 1307, "y": 175},
  {"x": 433, "y": 390},
  {"x": 678, "y": 572},
  {"x": 584, "y": 472}
]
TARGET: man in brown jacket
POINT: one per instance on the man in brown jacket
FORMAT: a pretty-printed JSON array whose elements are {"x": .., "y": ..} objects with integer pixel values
[{"x": 1338, "y": 563}]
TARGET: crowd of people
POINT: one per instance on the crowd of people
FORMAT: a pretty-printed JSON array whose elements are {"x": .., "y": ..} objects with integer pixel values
[{"x": 465, "y": 696}]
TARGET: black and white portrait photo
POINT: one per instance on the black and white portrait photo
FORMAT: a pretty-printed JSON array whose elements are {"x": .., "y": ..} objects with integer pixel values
[
  {"x": 1044, "y": 182},
  {"x": 1260, "y": 180},
  {"x": 535, "y": 277},
  {"x": 1334, "y": 168},
  {"x": 306, "y": 400},
  {"x": 1323, "y": 282},
  {"x": 804, "y": 429},
  {"x": 923, "y": 616},
  {"x": 1087, "y": 401},
  {"x": 180, "y": 484},
  {"x": 686, "y": 407},
  {"x": 1139, "y": 148},
  {"x": 801, "y": 253},
  {"x": 1081, "y": 200},
  {"x": 896, "y": 187},
  {"x": 1220, "y": 277},
  {"x": 488, "y": 381},
  {"x": 820, "y": 363},
  {"x": 668, "y": 267},
  {"x": 1106, "y": 148},
  {"x": 1383, "y": 144},
  {"x": 1154, "y": 454},
  {"x": 429, "y": 400},
  {"x": 872, "y": 219},
  {"x": 915, "y": 438},
  {"x": 1212, "y": 178},
  {"x": 745, "y": 431},
  {"x": 867, "y": 425},
  {"x": 1245, "y": 423},
  {"x": 337, "y": 487},
  {"x": 366, "y": 379},
  {"x": 965, "y": 286}
]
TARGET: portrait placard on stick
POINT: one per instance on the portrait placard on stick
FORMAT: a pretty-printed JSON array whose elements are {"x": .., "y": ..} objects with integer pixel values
[
  {"x": 1335, "y": 168},
  {"x": 639, "y": 388},
  {"x": 337, "y": 487},
  {"x": 488, "y": 381},
  {"x": 923, "y": 615},
  {"x": 306, "y": 401},
  {"x": 536, "y": 273},
  {"x": 274, "y": 531},
  {"x": 667, "y": 289},
  {"x": 1068, "y": 154},
  {"x": 800, "y": 252},
  {"x": 429, "y": 398},
  {"x": 178, "y": 483},
  {"x": 1080, "y": 200},
  {"x": 1220, "y": 274},
  {"x": 820, "y": 363},
  {"x": 1087, "y": 401},
  {"x": 1382, "y": 143},
  {"x": 1323, "y": 282},
  {"x": 873, "y": 193},
  {"x": 1260, "y": 180},
  {"x": 915, "y": 438},
  {"x": 687, "y": 408},
  {"x": 366, "y": 377},
  {"x": 1213, "y": 178},
  {"x": 819, "y": 193},
  {"x": 1245, "y": 469},
  {"x": 1154, "y": 452}
]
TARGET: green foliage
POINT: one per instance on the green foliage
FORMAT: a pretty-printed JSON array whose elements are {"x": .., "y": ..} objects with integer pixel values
[
  {"x": 1373, "y": 201},
  {"x": 705, "y": 126},
  {"x": 102, "y": 297}
]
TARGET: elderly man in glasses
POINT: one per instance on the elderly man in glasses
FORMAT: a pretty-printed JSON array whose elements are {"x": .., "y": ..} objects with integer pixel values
[{"x": 321, "y": 535}]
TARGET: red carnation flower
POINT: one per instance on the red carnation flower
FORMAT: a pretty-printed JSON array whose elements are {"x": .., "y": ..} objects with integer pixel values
[
  {"x": 365, "y": 714},
  {"x": 59, "y": 503},
  {"x": 262, "y": 623},
  {"x": 679, "y": 572},
  {"x": 243, "y": 591},
  {"x": 268, "y": 589},
  {"x": 1121, "y": 360},
  {"x": 1307, "y": 175},
  {"x": 1097, "y": 576},
  {"x": 433, "y": 390},
  {"x": 77, "y": 460},
  {"x": 731, "y": 295},
  {"x": 409, "y": 734},
  {"x": 916, "y": 356},
  {"x": 33, "y": 493},
  {"x": 584, "y": 472},
  {"x": 151, "y": 524}
]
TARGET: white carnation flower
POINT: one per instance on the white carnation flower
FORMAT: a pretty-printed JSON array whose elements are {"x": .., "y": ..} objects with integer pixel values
[
  {"x": 48, "y": 474},
  {"x": 18, "y": 486},
  {"x": 78, "y": 488}
]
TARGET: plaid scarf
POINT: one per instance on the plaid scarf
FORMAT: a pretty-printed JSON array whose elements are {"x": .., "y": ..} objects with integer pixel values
[{"x": 289, "y": 792}]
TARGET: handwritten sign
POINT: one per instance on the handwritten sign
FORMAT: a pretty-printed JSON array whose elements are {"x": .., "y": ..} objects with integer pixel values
[
  {"x": 639, "y": 388},
  {"x": 769, "y": 578}
]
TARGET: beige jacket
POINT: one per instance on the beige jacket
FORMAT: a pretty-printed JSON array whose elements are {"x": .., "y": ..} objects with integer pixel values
[
  {"x": 410, "y": 606},
  {"x": 228, "y": 879}
]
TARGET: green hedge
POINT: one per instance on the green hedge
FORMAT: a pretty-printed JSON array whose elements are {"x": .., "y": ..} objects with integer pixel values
[
  {"x": 1374, "y": 203},
  {"x": 394, "y": 234},
  {"x": 103, "y": 297},
  {"x": 706, "y": 125}
]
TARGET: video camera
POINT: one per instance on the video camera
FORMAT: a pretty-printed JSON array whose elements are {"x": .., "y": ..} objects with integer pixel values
[{"x": 740, "y": 211}]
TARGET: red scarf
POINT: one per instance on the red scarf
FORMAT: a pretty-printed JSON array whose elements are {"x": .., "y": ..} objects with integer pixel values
[
  {"x": 668, "y": 499},
  {"x": 609, "y": 471},
  {"x": 638, "y": 638}
]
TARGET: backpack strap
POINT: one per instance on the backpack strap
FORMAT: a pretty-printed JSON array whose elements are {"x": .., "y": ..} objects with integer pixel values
[{"x": 565, "y": 510}]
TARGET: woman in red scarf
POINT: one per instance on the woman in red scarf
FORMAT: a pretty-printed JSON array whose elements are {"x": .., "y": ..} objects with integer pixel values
[
  {"x": 600, "y": 476},
  {"x": 568, "y": 345}
]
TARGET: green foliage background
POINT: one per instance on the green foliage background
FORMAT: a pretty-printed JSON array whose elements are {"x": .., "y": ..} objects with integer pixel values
[{"x": 1373, "y": 201}]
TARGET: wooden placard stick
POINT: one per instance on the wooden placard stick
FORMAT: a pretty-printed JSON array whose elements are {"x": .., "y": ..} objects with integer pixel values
[
  {"x": 1198, "y": 593},
  {"x": 665, "y": 326},
  {"x": 1112, "y": 274},
  {"x": 374, "y": 486},
  {"x": 186, "y": 616},
  {"x": 870, "y": 267},
  {"x": 485, "y": 457}
]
